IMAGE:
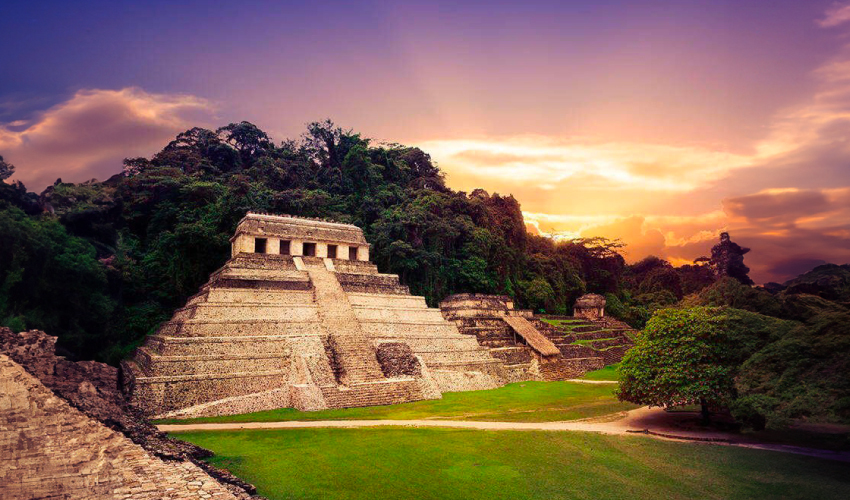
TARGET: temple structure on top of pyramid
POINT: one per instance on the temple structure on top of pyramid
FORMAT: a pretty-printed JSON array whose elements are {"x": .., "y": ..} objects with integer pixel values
[{"x": 299, "y": 317}]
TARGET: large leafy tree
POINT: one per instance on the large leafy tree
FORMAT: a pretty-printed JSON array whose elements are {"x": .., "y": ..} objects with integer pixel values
[
  {"x": 727, "y": 259},
  {"x": 681, "y": 358}
]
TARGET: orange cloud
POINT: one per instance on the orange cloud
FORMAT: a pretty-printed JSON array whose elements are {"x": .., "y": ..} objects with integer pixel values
[{"x": 787, "y": 196}]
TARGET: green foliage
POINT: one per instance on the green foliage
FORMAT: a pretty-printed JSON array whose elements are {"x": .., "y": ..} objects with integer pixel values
[
  {"x": 652, "y": 284},
  {"x": 635, "y": 315},
  {"x": 681, "y": 358},
  {"x": 730, "y": 292},
  {"x": 829, "y": 281},
  {"x": 802, "y": 373},
  {"x": 768, "y": 371},
  {"x": 536, "y": 294},
  {"x": 6, "y": 169},
  {"x": 52, "y": 281}
]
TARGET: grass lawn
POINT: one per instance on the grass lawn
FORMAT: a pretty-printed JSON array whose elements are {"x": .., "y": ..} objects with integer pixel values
[
  {"x": 518, "y": 402},
  {"x": 565, "y": 324},
  {"x": 607, "y": 373},
  {"x": 423, "y": 464}
]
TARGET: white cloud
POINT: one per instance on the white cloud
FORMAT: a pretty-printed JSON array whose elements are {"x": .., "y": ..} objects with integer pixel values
[{"x": 836, "y": 15}]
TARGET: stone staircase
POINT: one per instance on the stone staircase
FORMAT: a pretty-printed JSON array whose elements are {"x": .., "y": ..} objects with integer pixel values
[
  {"x": 532, "y": 337},
  {"x": 351, "y": 348}
]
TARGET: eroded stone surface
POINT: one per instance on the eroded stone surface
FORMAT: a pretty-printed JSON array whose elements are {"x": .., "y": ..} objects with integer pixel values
[
  {"x": 49, "y": 449},
  {"x": 83, "y": 389},
  {"x": 589, "y": 306}
]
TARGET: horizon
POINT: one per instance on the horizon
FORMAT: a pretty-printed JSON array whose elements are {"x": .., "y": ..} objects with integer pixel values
[{"x": 657, "y": 123}]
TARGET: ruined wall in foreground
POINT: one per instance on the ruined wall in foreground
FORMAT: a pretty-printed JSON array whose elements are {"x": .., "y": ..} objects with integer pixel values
[{"x": 50, "y": 450}]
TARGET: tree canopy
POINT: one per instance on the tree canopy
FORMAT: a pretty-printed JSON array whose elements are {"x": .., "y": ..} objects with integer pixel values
[{"x": 681, "y": 358}]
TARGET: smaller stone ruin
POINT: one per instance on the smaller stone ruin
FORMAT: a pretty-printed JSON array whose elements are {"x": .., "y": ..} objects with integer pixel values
[
  {"x": 529, "y": 348},
  {"x": 541, "y": 347},
  {"x": 590, "y": 306}
]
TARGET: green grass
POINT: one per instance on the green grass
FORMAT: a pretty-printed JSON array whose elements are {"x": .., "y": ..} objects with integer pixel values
[
  {"x": 558, "y": 322},
  {"x": 566, "y": 325},
  {"x": 423, "y": 464},
  {"x": 607, "y": 373},
  {"x": 518, "y": 402}
]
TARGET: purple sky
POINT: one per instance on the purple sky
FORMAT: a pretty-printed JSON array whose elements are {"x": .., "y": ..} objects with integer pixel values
[{"x": 660, "y": 122}]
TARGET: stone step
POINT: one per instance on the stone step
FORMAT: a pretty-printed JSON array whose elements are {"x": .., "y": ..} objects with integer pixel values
[
  {"x": 211, "y": 363},
  {"x": 259, "y": 297},
  {"x": 597, "y": 334},
  {"x": 397, "y": 314},
  {"x": 562, "y": 368},
  {"x": 241, "y": 277},
  {"x": 386, "y": 392},
  {"x": 395, "y": 329},
  {"x": 247, "y": 312},
  {"x": 576, "y": 351},
  {"x": 241, "y": 328},
  {"x": 386, "y": 300}
]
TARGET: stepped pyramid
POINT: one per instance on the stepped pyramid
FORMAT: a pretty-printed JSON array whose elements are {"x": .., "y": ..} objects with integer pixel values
[{"x": 299, "y": 317}]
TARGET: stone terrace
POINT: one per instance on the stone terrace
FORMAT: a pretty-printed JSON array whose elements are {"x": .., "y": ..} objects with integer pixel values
[
  {"x": 513, "y": 336},
  {"x": 604, "y": 337}
]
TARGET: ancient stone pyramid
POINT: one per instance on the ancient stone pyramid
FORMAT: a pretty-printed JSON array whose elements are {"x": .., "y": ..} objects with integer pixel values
[{"x": 299, "y": 317}]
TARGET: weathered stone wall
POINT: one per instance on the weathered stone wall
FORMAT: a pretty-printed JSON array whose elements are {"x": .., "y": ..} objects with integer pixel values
[
  {"x": 49, "y": 449},
  {"x": 487, "y": 318},
  {"x": 299, "y": 232},
  {"x": 589, "y": 306},
  {"x": 79, "y": 438}
]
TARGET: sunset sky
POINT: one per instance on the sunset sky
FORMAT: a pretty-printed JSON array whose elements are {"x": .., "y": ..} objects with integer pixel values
[{"x": 659, "y": 122}]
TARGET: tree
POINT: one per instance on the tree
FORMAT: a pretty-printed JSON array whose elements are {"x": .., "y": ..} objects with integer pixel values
[
  {"x": 537, "y": 293},
  {"x": 681, "y": 358},
  {"x": 6, "y": 169},
  {"x": 246, "y": 137},
  {"x": 727, "y": 259}
]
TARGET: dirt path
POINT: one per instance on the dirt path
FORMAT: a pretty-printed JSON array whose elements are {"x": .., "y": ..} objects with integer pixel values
[{"x": 649, "y": 422}]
